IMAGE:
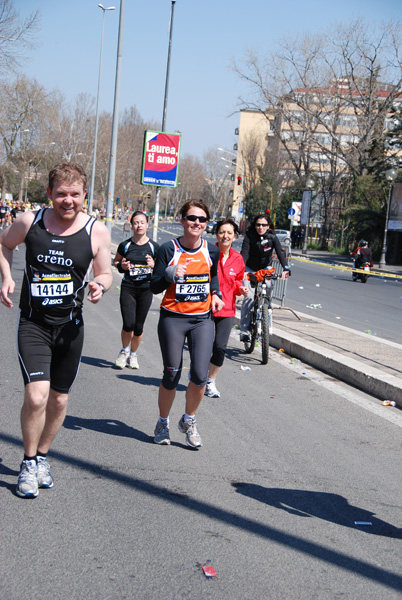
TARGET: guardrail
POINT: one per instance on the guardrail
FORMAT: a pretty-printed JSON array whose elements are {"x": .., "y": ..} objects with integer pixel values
[{"x": 279, "y": 285}]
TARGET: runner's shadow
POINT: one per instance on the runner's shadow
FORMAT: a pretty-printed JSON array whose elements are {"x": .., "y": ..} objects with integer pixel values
[
  {"x": 107, "y": 426},
  {"x": 151, "y": 381},
  {"x": 97, "y": 362},
  {"x": 8, "y": 472},
  {"x": 113, "y": 427},
  {"x": 321, "y": 505}
]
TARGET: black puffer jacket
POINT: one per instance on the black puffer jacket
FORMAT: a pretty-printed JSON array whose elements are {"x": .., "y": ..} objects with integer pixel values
[{"x": 257, "y": 250}]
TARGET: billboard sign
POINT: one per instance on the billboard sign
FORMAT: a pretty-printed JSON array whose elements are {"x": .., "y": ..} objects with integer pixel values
[{"x": 160, "y": 163}]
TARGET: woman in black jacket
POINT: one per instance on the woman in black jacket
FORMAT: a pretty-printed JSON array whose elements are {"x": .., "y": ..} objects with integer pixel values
[{"x": 258, "y": 244}]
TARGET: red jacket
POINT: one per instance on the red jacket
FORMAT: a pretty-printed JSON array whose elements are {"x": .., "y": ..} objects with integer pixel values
[{"x": 230, "y": 277}]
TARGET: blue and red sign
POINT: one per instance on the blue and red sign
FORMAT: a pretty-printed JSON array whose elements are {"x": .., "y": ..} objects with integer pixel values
[{"x": 160, "y": 164}]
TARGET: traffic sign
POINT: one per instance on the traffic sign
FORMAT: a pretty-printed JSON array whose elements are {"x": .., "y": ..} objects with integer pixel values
[{"x": 291, "y": 212}]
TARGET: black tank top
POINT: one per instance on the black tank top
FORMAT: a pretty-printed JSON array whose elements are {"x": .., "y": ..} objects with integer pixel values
[{"x": 55, "y": 273}]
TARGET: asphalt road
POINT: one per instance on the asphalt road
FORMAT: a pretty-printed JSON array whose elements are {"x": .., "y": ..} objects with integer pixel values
[
  {"x": 375, "y": 305},
  {"x": 291, "y": 461}
]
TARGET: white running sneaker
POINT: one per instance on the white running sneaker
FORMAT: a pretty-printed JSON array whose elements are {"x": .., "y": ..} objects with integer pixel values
[
  {"x": 133, "y": 362},
  {"x": 162, "y": 434},
  {"x": 27, "y": 486},
  {"x": 193, "y": 438},
  {"x": 211, "y": 390},
  {"x": 122, "y": 359},
  {"x": 45, "y": 479}
]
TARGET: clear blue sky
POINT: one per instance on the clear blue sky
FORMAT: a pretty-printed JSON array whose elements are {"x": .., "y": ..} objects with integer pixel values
[{"x": 203, "y": 91}]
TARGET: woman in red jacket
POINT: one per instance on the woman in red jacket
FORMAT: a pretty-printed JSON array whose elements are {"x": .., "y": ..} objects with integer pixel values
[{"x": 230, "y": 273}]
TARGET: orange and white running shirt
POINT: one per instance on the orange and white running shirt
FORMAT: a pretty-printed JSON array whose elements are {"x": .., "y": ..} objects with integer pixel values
[{"x": 191, "y": 294}]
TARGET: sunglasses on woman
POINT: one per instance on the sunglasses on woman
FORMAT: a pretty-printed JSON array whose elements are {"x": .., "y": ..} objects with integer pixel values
[{"x": 193, "y": 218}]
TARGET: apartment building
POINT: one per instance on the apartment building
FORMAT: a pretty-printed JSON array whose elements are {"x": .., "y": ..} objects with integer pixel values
[{"x": 317, "y": 132}]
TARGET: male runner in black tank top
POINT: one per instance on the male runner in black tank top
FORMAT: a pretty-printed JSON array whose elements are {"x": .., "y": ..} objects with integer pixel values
[{"x": 62, "y": 243}]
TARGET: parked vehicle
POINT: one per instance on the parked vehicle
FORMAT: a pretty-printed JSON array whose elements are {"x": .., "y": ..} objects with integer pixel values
[
  {"x": 283, "y": 236},
  {"x": 211, "y": 227}
]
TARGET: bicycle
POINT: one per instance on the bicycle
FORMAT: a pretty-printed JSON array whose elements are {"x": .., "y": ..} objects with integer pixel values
[{"x": 261, "y": 312}]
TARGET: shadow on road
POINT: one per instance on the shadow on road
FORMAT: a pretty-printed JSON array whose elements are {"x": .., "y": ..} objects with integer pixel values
[
  {"x": 107, "y": 426},
  {"x": 110, "y": 427},
  {"x": 97, "y": 362},
  {"x": 322, "y": 505},
  {"x": 237, "y": 520}
]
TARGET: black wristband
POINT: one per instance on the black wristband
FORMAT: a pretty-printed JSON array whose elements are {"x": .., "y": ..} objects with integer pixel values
[{"x": 102, "y": 287}]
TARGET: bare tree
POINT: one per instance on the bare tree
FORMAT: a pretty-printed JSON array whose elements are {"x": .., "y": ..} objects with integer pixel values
[
  {"x": 330, "y": 100},
  {"x": 23, "y": 110},
  {"x": 218, "y": 183},
  {"x": 16, "y": 35}
]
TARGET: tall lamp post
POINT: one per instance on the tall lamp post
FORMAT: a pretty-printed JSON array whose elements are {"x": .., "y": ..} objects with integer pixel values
[
  {"x": 241, "y": 166},
  {"x": 269, "y": 189},
  {"x": 390, "y": 176},
  {"x": 115, "y": 122},
  {"x": 309, "y": 187},
  {"x": 91, "y": 191}
]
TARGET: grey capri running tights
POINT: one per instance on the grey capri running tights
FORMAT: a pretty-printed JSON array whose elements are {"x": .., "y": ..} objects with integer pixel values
[{"x": 173, "y": 331}]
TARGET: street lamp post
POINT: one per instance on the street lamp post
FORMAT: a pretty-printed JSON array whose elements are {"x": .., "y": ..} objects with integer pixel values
[
  {"x": 91, "y": 191},
  {"x": 243, "y": 173},
  {"x": 309, "y": 187},
  {"x": 269, "y": 189},
  {"x": 115, "y": 121},
  {"x": 390, "y": 176}
]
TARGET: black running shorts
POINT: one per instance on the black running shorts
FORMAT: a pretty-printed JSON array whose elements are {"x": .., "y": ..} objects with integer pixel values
[{"x": 50, "y": 352}]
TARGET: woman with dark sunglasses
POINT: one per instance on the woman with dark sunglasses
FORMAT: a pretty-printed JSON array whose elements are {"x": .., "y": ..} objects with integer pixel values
[
  {"x": 187, "y": 270},
  {"x": 258, "y": 245}
]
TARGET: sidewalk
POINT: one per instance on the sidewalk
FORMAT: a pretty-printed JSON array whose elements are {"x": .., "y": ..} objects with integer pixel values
[
  {"x": 369, "y": 363},
  {"x": 372, "y": 364}
]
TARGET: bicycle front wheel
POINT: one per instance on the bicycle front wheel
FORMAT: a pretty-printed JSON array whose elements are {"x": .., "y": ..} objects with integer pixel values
[
  {"x": 265, "y": 334},
  {"x": 249, "y": 345}
]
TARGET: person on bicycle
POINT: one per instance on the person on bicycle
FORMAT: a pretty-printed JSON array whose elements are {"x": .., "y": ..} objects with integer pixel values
[
  {"x": 363, "y": 255},
  {"x": 230, "y": 274},
  {"x": 258, "y": 245}
]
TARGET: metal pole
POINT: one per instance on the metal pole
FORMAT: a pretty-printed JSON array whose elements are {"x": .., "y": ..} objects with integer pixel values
[
  {"x": 305, "y": 241},
  {"x": 158, "y": 189},
  {"x": 115, "y": 126},
  {"x": 91, "y": 191},
  {"x": 382, "y": 262}
]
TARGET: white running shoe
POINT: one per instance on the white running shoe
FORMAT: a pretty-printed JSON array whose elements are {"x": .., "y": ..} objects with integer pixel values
[
  {"x": 133, "y": 362},
  {"x": 161, "y": 434},
  {"x": 193, "y": 438},
  {"x": 122, "y": 359},
  {"x": 211, "y": 390},
  {"x": 27, "y": 486},
  {"x": 45, "y": 479}
]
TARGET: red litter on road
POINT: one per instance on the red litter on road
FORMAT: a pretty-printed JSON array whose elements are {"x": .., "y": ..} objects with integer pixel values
[{"x": 208, "y": 571}]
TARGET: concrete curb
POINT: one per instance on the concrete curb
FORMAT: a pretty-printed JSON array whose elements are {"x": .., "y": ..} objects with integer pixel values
[
  {"x": 368, "y": 379},
  {"x": 364, "y": 377}
]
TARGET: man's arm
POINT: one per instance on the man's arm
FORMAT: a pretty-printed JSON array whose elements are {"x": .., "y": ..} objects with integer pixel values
[
  {"x": 9, "y": 240},
  {"x": 102, "y": 268}
]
